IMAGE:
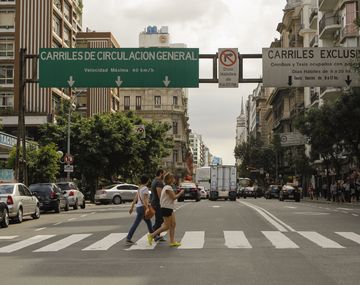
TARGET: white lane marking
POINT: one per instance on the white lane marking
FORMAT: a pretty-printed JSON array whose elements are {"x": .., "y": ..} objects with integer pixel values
[
  {"x": 311, "y": 213},
  {"x": 71, "y": 219},
  {"x": 63, "y": 243},
  {"x": 106, "y": 242},
  {"x": 279, "y": 240},
  {"x": 236, "y": 239},
  {"x": 355, "y": 215},
  {"x": 278, "y": 226},
  {"x": 83, "y": 216},
  {"x": 59, "y": 223},
  {"x": 193, "y": 240},
  {"x": 142, "y": 244},
  {"x": 40, "y": 229},
  {"x": 320, "y": 240},
  {"x": 290, "y": 207},
  {"x": 216, "y": 206},
  {"x": 7, "y": 237},
  {"x": 24, "y": 243},
  {"x": 346, "y": 209},
  {"x": 350, "y": 235}
]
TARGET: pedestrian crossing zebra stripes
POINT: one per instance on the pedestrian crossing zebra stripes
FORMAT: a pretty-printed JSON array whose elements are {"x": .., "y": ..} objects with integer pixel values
[{"x": 190, "y": 240}]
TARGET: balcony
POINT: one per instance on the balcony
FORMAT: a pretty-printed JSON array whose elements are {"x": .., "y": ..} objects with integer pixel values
[
  {"x": 349, "y": 31},
  {"x": 315, "y": 41},
  {"x": 330, "y": 94},
  {"x": 313, "y": 19},
  {"x": 328, "y": 26},
  {"x": 154, "y": 108},
  {"x": 327, "y": 5}
]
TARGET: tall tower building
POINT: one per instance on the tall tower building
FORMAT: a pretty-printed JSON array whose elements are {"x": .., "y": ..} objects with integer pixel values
[{"x": 33, "y": 24}]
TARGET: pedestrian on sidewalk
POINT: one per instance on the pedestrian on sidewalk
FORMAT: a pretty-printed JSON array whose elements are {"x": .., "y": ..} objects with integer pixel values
[
  {"x": 167, "y": 203},
  {"x": 333, "y": 191},
  {"x": 156, "y": 187},
  {"x": 339, "y": 192},
  {"x": 311, "y": 192},
  {"x": 141, "y": 201}
]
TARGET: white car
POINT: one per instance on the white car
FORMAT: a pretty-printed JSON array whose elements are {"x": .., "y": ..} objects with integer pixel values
[
  {"x": 116, "y": 194},
  {"x": 20, "y": 201},
  {"x": 203, "y": 193},
  {"x": 73, "y": 195}
]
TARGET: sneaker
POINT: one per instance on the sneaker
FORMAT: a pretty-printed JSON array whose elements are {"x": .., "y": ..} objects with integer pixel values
[
  {"x": 159, "y": 238},
  {"x": 150, "y": 239},
  {"x": 130, "y": 242},
  {"x": 175, "y": 244}
]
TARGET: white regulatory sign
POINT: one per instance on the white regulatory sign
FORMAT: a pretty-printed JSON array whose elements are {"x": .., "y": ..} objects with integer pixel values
[
  {"x": 228, "y": 68},
  {"x": 310, "y": 67},
  {"x": 292, "y": 139},
  {"x": 68, "y": 168}
]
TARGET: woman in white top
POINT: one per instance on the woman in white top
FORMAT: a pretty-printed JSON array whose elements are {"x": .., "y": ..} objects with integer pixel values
[
  {"x": 142, "y": 206},
  {"x": 167, "y": 199}
]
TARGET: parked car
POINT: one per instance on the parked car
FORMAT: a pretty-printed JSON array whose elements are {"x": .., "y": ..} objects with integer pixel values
[
  {"x": 190, "y": 192},
  {"x": 272, "y": 192},
  {"x": 4, "y": 215},
  {"x": 242, "y": 184},
  {"x": 116, "y": 193},
  {"x": 203, "y": 193},
  {"x": 20, "y": 201},
  {"x": 74, "y": 196},
  {"x": 290, "y": 192},
  {"x": 50, "y": 196}
]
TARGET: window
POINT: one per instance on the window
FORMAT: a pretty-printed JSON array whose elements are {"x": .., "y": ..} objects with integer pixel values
[
  {"x": 67, "y": 11},
  {"x": 6, "y": 99},
  {"x": 7, "y": 19},
  {"x": 67, "y": 36},
  {"x": 175, "y": 128},
  {"x": 138, "y": 102},
  {"x": 175, "y": 100},
  {"x": 157, "y": 101},
  {"x": 6, "y": 74},
  {"x": 7, "y": 1},
  {"x": 175, "y": 156},
  {"x": 6, "y": 48},
  {"x": 57, "y": 3},
  {"x": 57, "y": 26},
  {"x": 126, "y": 102}
]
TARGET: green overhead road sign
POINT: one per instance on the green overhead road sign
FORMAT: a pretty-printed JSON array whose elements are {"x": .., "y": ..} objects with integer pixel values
[{"x": 121, "y": 67}]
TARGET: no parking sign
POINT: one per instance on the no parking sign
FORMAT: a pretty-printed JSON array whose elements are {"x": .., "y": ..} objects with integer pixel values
[{"x": 228, "y": 68}]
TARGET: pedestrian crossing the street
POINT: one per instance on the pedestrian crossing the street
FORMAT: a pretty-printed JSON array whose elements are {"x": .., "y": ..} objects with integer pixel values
[{"x": 190, "y": 240}]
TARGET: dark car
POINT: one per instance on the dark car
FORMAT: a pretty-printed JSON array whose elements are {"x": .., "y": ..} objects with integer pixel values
[
  {"x": 4, "y": 215},
  {"x": 50, "y": 196},
  {"x": 191, "y": 192},
  {"x": 290, "y": 192},
  {"x": 272, "y": 192}
]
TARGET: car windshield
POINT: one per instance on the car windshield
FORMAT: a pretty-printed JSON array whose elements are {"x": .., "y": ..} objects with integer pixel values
[
  {"x": 40, "y": 187},
  {"x": 65, "y": 186},
  {"x": 6, "y": 189},
  {"x": 244, "y": 182}
]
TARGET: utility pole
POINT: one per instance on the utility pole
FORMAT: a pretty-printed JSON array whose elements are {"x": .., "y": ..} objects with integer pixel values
[
  {"x": 68, "y": 131},
  {"x": 21, "y": 163}
]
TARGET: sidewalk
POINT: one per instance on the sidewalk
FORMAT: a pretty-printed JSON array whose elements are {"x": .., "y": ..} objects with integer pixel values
[{"x": 324, "y": 201}]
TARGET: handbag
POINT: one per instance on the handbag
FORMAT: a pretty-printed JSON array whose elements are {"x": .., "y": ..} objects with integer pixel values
[{"x": 150, "y": 212}]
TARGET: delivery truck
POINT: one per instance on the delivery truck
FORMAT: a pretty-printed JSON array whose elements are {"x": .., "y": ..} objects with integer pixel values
[{"x": 223, "y": 182}]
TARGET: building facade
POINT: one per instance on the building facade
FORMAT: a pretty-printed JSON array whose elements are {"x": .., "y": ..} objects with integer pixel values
[
  {"x": 33, "y": 24},
  {"x": 93, "y": 101}
]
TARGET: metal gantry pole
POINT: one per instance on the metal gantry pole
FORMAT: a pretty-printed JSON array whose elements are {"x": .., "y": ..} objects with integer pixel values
[{"x": 68, "y": 133}]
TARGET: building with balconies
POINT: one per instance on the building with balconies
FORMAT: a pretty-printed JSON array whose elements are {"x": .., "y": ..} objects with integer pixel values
[{"x": 23, "y": 26}]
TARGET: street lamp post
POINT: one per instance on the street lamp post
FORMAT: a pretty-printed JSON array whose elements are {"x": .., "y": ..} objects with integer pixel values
[{"x": 68, "y": 137}]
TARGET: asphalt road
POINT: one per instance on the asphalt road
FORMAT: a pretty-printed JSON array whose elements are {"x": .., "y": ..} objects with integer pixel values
[{"x": 250, "y": 241}]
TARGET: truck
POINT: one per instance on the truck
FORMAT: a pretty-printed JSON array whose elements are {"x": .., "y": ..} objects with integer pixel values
[
  {"x": 202, "y": 177},
  {"x": 223, "y": 182}
]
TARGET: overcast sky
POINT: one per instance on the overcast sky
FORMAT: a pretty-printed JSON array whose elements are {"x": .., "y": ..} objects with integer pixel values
[{"x": 248, "y": 25}]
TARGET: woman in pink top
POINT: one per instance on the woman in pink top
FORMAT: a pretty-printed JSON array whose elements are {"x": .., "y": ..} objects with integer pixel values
[{"x": 167, "y": 199}]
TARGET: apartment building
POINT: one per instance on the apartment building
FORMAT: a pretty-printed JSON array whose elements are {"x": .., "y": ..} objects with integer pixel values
[
  {"x": 33, "y": 24},
  {"x": 93, "y": 101},
  {"x": 197, "y": 146},
  {"x": 169, "y": 105}
]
